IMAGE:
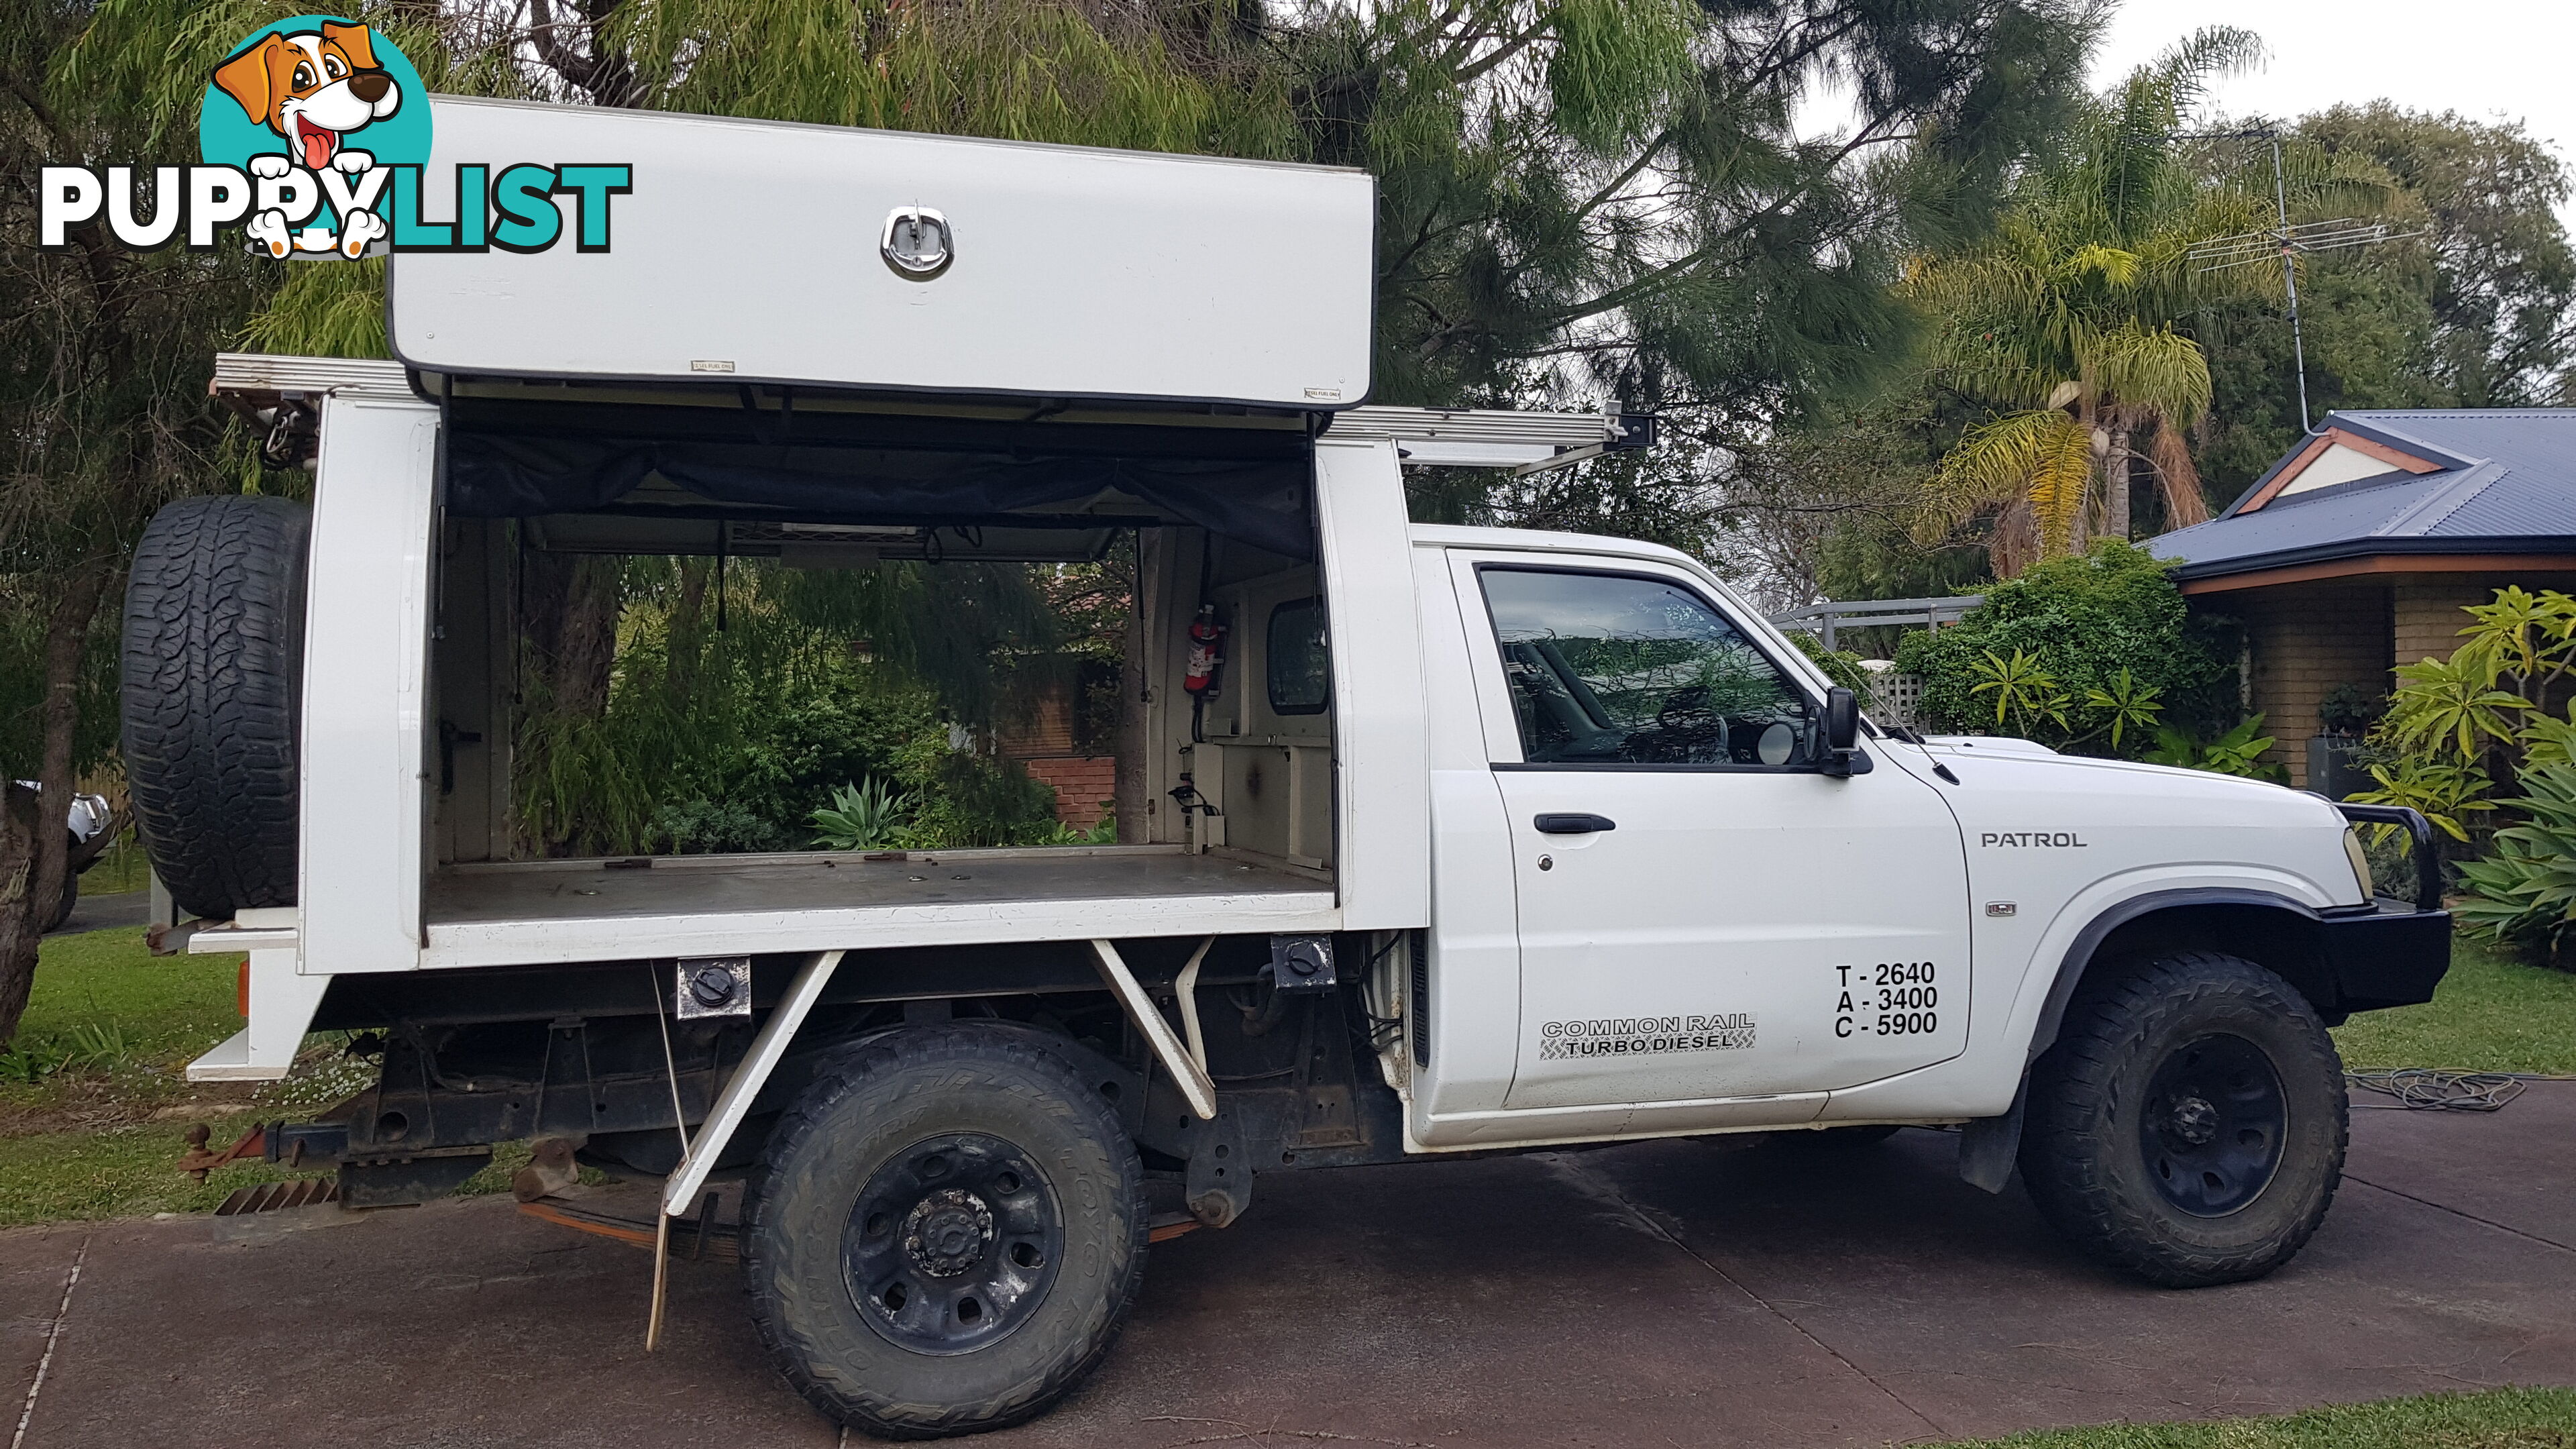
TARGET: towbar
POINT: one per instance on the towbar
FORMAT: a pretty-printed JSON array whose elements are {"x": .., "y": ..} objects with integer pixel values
[{"x": 2428, "y": 861}]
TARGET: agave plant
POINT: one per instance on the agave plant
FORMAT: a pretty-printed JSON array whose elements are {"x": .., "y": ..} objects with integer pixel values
[{"x": 863, "y": 816}]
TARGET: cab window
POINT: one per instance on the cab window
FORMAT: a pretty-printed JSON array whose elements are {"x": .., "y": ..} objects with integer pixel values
[{"x": 1628, "y": 669}]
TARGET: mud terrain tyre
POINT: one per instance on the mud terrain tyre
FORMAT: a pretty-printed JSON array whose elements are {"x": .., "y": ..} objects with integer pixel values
[
  {"x": 946, "y": 1232},
  {"x": 2188, "y": 1126},
  {"x": 213, "y": 680}
]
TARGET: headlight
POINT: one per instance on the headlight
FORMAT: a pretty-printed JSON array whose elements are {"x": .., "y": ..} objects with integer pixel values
[{"x": 2360, "y": 860}]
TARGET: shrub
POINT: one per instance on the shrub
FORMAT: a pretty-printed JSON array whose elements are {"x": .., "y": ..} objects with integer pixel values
[
  {"x": 2524, "y": 893},
  {"x": 2098, "y": 639},
  {"x": 2237, "y": 752},
  {"x": 1840, "y": 665},
  {"x": 827, "y": 728},
  {"x": 715, "y": 827},
  {"x": 965, "y": 799},
  {"x": 2456, "y": 726},
  {"x": 2349, "y": 709},
  {"x": 738, "y": 707}
]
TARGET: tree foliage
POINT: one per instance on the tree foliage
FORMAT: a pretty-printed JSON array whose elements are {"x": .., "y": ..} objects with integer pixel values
[
  {"x": 2067, "y": 321},
  {"x": 1589, "y": 198},
  {"x": 104, "y": 356},
  {"x": 2472, "y": 313},
  {"x": 1612, "y": 199},
  {"x": 2503, "y": 274}
]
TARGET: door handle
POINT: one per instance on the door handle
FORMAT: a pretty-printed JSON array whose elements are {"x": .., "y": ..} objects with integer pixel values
[{"x": 1573, "y": 824}]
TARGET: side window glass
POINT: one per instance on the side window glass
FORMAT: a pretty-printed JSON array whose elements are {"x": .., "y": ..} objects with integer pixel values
[
  {"x": 1300, "y": 658},
  {"x": 1613, "y": 668}
]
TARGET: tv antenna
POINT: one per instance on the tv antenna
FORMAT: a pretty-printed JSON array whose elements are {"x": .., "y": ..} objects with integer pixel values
[{"x": 2289, "y": 243}]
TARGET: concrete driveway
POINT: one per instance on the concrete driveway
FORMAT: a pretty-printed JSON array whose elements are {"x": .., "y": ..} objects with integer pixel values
[
  {"x": 1661, "y": 1293},
  {"x": 99, "y": 912}
]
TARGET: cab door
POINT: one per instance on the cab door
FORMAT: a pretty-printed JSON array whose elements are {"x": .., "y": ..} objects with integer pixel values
[{"x": 1705, "y": 913}]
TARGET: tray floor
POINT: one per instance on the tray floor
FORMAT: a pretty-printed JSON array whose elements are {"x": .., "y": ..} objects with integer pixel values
[{"x": 716, "y": 885}]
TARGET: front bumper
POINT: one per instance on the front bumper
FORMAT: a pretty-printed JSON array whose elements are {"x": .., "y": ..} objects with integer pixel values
[{"x": 2387, "y": 954}]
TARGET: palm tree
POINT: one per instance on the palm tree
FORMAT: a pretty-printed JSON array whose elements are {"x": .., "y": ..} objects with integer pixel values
[{"x": 2064, "y": 321}]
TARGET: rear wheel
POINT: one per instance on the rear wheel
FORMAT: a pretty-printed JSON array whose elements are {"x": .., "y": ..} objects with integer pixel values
[
  {"x": 946, "y": 1233},
  {"x": 2189, "y": 1124}
]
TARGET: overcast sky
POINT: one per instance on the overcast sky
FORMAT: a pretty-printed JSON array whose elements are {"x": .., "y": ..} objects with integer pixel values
[{"x": 2486, "y": 59}]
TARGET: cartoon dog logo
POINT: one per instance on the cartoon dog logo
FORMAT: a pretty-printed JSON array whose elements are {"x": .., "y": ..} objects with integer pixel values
[{"x": 313, "y": 88}]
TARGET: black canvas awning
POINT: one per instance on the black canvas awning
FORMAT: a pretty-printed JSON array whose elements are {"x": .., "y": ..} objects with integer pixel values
[{"x": 1248, "y": 485}]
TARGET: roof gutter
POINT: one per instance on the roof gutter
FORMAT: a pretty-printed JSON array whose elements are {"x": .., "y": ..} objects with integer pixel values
[{"x": 2361, "y": 557}]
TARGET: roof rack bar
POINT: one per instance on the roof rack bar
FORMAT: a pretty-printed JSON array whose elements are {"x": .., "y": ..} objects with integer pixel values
[
  {"x": 1525, "y": 442},
  {"x": 259, "y": 374}
]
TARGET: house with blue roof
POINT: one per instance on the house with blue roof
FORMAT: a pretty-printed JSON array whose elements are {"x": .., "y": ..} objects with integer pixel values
[{"x": 2357, "y": 551}]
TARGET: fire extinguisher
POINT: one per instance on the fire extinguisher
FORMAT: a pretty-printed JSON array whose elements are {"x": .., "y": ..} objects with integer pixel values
[
  {"x": 1207, "y": 653},
  {"x": 1207, "y": 658}
]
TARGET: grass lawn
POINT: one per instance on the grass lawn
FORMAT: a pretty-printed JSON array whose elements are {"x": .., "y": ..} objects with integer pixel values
[
  {"x": 97, "y": 1137},
  {"x": 2496, "y": 1419},
  {"x": 167, "y": 1009},
  {"x": 121, "y": 867},
  {"x": 2489, "y": 1015}
]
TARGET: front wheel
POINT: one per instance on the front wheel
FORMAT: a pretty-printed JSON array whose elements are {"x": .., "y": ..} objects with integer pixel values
[
  {"x": 946, "y": 1233},
  {"x": 2188, "y": 1126}
]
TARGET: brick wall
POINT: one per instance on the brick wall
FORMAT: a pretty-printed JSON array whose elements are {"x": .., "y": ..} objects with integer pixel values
[
  {"x": 1084, "y": 785},
  {"x": 2428, "y": 617},
  {"x": 2305, "y": 638},
  {"x": 1048, "y": 730}
]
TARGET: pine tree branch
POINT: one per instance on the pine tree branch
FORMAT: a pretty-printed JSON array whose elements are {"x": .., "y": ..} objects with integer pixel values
[
  {"x": 1501, "y": 53},
  {"x": 34, "y": 101},
  {"x": 1780, "y": 61},
  {"x": 1645, "y": 155},
  {"x": 1655, "y": 279},
  {"x": 105, "y": 267},
  {"x": 1421, "y": 239}
]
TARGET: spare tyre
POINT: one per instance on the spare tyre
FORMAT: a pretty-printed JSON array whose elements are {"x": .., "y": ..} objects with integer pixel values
[{"x": 213, "y": 687}]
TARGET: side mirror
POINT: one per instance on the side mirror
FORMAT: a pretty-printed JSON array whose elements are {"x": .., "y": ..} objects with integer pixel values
[
  {"x": 1842, "y": 719},
  {"x": 1843, "y": 757}
]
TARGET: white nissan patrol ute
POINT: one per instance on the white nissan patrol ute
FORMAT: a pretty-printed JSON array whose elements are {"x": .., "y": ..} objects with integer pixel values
[{"x": 1439, "y": 840}]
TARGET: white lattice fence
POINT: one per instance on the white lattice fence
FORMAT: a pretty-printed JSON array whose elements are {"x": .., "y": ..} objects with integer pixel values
[{"x": 1894, "y": 697}]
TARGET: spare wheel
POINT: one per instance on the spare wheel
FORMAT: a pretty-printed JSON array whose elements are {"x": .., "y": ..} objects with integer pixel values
[{"x": 213, "y": 687}]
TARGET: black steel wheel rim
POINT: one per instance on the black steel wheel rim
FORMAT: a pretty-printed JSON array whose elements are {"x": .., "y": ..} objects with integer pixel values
[
  {"x": 2212, "y": 1125},
  {"x": 953, "y": 1243}
]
